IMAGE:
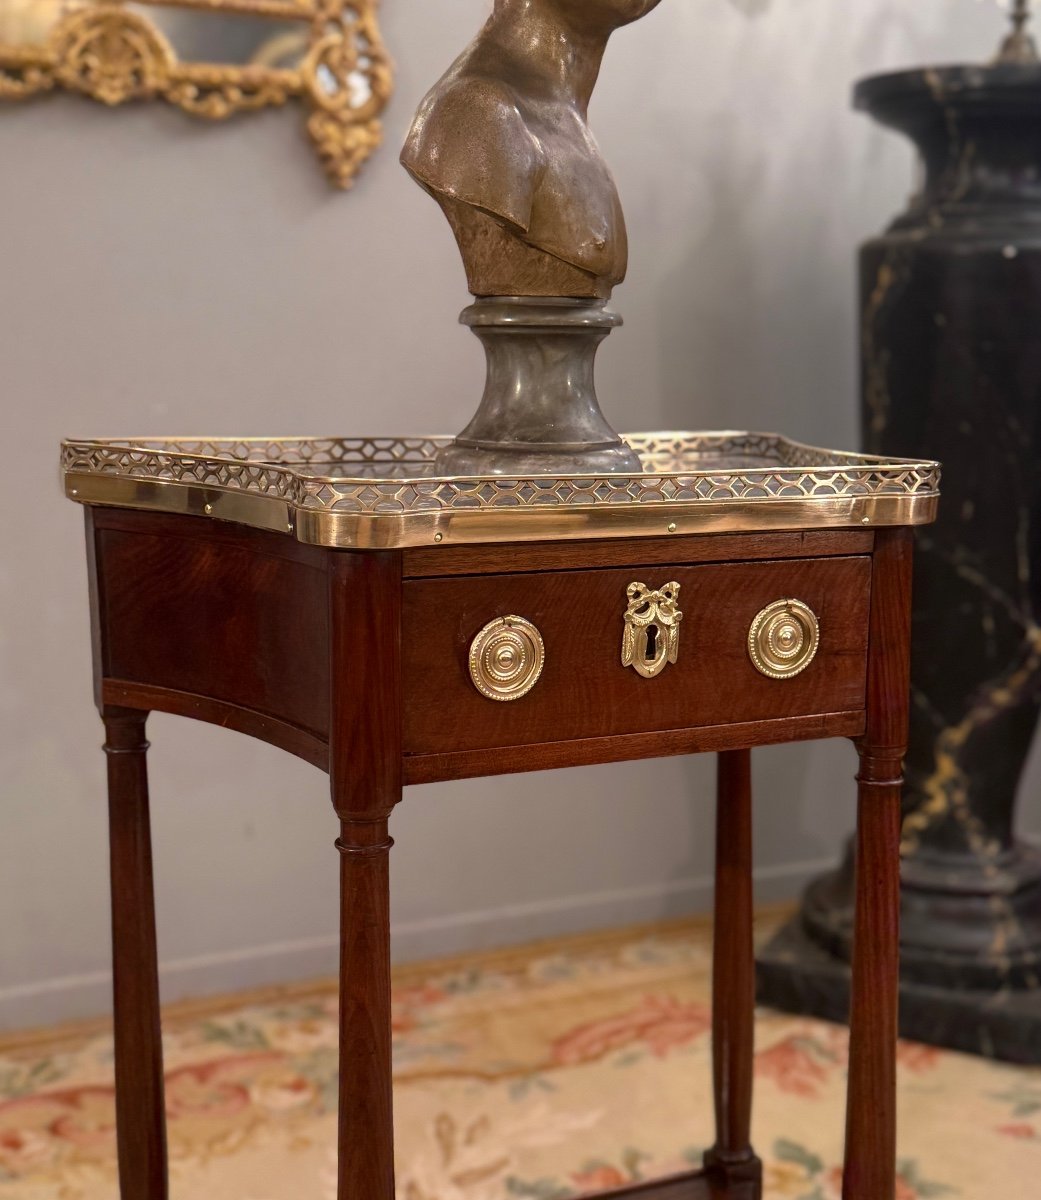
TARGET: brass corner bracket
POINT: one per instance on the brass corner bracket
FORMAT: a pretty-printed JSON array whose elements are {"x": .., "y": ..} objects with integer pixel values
[{"x": 114, "y": 53}]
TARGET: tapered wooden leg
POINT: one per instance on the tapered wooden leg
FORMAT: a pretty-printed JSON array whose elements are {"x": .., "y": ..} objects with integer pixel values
[
  {"x": 733, "y": 1169},
  {"x": 140, "y": 1113},
  {"x": 366, "y": 770},
  {"x": 870, "y": 1172},
  {"x": 871, "y": 1104},
  {"x": 366, "y": 1137}
]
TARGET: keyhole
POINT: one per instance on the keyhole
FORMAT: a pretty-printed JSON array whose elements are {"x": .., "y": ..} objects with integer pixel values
[{"x": 652, "y": 642}]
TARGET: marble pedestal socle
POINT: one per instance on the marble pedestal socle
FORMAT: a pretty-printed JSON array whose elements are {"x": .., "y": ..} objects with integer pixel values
[
  {"x": 539, "y": 413},
  {"x": 951, "y": 308}
]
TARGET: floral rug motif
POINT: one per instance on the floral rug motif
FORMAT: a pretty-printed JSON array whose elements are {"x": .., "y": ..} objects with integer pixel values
[{"x": 534, "y": 1074}]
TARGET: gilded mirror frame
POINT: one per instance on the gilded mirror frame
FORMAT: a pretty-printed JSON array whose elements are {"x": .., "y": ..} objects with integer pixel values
[{"x": 114, "y": 54}]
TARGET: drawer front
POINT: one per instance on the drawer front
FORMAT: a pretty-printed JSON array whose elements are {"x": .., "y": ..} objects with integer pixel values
[{"x": 584, "y": 691}]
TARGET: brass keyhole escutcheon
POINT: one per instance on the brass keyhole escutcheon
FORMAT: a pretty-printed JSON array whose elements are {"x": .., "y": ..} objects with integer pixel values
[
  {"x": 506, "y": 658},
  {"x": 651, "y": 636},
  {"x": 784, "y": 638}
]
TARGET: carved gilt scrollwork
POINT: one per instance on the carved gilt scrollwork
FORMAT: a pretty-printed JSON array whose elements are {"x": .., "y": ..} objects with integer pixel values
[{"x": 113, "y": 55}]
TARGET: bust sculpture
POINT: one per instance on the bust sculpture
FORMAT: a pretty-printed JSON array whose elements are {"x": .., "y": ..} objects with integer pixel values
[{"x": 502, "y": 142}]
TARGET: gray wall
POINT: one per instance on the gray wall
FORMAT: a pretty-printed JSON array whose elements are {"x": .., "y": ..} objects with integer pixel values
[{"x": 163, "y": 276}]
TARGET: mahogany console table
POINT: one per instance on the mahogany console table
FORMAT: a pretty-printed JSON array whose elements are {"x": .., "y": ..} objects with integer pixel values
[{"x": 337, "y": 600}]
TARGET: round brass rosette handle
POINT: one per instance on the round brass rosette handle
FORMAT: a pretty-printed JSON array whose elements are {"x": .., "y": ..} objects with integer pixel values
[
  {"x": 506, "y": 658},
  {"x": 784, "y": 638}
]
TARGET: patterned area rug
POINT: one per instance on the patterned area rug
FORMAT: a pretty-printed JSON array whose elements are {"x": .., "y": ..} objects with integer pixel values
[{"x": 539, "y": 1073}]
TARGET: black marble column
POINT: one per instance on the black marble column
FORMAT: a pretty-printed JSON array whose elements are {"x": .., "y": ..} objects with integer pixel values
[{"x": 951, "y": 362}]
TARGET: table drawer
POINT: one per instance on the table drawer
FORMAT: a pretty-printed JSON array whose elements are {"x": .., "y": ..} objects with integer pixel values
[{"x": 584, "y": 691}]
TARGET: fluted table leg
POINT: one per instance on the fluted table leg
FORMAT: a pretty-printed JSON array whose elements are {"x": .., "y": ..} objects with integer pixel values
[
  {"x": 140, "y": 1110},
  {"x": 871, "y": 1108},
  {"x": 733, "y": 1168},
  {"x": 366, "y": 771},
  {"x": 366, "y": 1138},
  {"x": 870, "y": 1171}
]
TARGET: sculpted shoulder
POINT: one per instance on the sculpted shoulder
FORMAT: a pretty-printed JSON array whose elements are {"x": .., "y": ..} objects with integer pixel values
[{"x": 470, "y": 142}]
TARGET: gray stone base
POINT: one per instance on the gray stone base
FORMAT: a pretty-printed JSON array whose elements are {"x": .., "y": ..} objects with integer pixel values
[{"x": 795, "y": 975}]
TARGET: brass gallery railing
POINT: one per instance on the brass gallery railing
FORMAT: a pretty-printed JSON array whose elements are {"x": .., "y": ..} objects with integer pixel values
[{"x": 364, "y": 492}]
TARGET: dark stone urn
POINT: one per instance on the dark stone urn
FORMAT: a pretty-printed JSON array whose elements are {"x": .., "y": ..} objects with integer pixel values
[{"x": 951, "y": 362}]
